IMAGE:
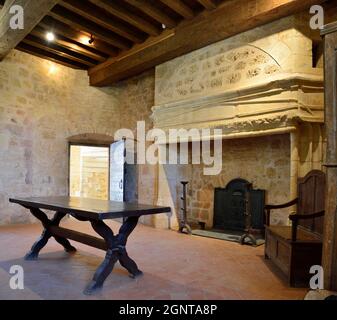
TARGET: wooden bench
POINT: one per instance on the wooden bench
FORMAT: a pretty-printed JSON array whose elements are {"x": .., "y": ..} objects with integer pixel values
[{"x": 294, "y": 249}]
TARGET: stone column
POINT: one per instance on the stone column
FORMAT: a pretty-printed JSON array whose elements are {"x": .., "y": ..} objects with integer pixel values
[
  {"x": 167, "y": 193},
  {"x": 294, "y": 165}
]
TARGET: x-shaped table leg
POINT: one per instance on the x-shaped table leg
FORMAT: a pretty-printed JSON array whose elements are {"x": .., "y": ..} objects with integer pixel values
[
  {"x": 116, "y": 252},
  {"x": 46, "y": 234}
]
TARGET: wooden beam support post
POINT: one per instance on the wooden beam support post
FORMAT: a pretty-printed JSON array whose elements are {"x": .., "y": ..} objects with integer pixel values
[
  {"x": 230, "y": 18},
  {"x": 34, "y": 11},
  {"x": 330, "y": 220}
]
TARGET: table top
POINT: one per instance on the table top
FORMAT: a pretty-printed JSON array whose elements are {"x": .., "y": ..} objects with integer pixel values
[{"x": 90, "y": 208}]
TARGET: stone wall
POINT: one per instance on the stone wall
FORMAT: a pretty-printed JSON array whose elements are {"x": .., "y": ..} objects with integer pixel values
[
  {"x": 41, "y": 105},
  {"x": 263, "y": 161},
  {"x": 136, "y": 101}
]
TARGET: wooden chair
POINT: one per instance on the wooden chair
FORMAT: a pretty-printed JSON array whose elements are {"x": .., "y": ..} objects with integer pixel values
[{"x": 294, "y": 249}]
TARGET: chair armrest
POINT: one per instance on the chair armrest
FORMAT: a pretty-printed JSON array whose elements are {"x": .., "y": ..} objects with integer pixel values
[
  {"x": 295, "y": 217},
  {"x": 280, "y": 206},
  {"x": 269, "y": 207}
]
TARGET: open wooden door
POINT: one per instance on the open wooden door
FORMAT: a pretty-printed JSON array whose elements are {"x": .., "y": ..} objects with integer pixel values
[
  {"x": 117, "y": 151},
  {"x": 123, "y": 176}
]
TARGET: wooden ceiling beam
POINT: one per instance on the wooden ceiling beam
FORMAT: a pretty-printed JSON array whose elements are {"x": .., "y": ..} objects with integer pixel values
[
  {"x": 180, "y": 7},
  {"x": 34, "y": 11},
  {"x": 69, "y": 44},
  {"x": 207, "y": 4},
  {"x": 195, "y": 34},
  {"x": 80, "y": 37},
  {"x": 77, "y": 22},
  {"x": 127, "y": 16},
  {"x": 55, "y": 48},
  {"x": 99, "y": 16},
  {"x": 49, "y": 56},
  {"x": 152, "y": 11}
]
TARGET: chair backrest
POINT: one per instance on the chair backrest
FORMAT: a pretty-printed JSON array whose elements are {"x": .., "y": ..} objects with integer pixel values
[{"x": 311, "y": 194}]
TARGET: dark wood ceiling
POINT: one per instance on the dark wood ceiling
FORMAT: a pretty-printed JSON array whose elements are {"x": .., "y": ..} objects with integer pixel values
[{"x": 115, "y": 26}]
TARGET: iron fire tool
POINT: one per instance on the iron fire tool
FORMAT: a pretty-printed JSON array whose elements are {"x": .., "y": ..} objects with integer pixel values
[
  {"x": 183, "y": 226},
  {"x": 248, "y": 219}
]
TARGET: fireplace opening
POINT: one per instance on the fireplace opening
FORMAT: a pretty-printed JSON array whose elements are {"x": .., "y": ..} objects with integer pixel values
[{"x": 238, "y": 206}]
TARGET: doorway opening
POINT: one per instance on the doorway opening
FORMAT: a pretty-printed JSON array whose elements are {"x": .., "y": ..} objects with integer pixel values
[
  {"x": 89, "y": 172},
  {"x": 100, "y": 172}
]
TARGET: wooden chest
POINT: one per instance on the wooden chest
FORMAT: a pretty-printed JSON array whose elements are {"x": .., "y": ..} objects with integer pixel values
[{"x": 293, "y": 258}]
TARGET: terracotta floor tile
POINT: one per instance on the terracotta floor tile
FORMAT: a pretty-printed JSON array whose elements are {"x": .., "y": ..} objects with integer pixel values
[{"x": 175, "y": 266}]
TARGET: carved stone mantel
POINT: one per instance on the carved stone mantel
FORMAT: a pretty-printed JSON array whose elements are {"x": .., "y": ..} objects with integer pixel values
[
  {"x": 254, "y": 83},
  {"x": 275, "y": 105}
]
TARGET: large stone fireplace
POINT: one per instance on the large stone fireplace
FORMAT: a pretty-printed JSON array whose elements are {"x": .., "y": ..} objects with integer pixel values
[{"x": 264, "y": 90}]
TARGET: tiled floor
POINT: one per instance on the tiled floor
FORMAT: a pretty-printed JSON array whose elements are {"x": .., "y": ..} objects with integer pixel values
[{"x": 175, "y": 266}]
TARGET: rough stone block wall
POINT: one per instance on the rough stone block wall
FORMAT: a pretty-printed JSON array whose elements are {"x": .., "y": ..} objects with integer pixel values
[
  {"x": 263, "y": 161},
  {"x": 41, "y": 105},
  {"x": 136, "y": 101}
]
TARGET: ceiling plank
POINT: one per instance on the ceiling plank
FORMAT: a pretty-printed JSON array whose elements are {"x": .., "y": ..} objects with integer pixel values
[
  {"x": 179, "y": 7},
  {"x": 127, "y": 16},
  {"x": 176, "y": 42},
  {"x": 76, "y": 21},
  {"x": 34, "y": 11},
  {"x": 80, "y": 37},
  {"x": 152, "y": 11},
  {"x": 68, "y": 44},
  {"x": 99, "y": 16},
  {"x": 54, "y": 48},
  {"x": 49, "y": 56},
  {"x": 207, "y": 4}
]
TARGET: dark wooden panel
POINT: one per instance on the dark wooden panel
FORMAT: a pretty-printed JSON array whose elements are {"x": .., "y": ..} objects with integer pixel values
[
  {"x": 76, "y": 21},
  {"x": 60, "y": 28},
  {"x": 147, "y": 7},
  {"x": 100, "y": 17},
  {"x": 208, "y": 4},
  {"x": 179, "y": 7},
  {"x": 311, "y": 199},
  {"x": 56, "y": 49},
  {"x": 50, "y": 56},
  {"x": 125, "y": 15},
  {"x": 70, "y": 45}
]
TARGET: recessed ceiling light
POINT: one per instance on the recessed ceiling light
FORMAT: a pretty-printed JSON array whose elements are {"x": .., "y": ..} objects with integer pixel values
[
  {"x": 163, "y": 26},
  {"x": 50, "y": 36}
]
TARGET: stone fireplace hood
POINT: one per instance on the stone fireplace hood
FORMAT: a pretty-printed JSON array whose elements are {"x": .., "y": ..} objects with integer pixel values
[
  {"x": 267, "y": 85},
  {"x": 270, "y": 107}
]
